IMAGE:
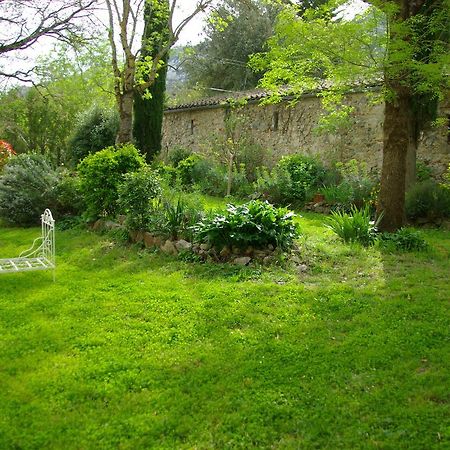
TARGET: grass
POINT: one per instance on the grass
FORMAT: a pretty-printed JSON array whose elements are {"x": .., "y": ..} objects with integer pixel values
[{"x": 131, "y": 349}]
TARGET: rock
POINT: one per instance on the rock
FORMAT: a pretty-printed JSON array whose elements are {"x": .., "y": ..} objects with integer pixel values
[
  {"x": 268, "y": 260},
  {"x": 98, "y": 225},
  {"x": 248, "y": 251},
  {"x": 242, "y": 261},
  {"x": 158, "y": 241},
  {"x": 138, "y": 236},
  {"x": 225, "y": 252},
  {"x": 271, "y": 247},
  {"x": 169, "y": 248},
  {"x": 149, "y": 240},
  {"x": 235, "y": 250},
  {"x": 182, "y": 245},
  {"x": 260, "y": 254},
  {"x": 205, "y": 247},
  {"x": 301, "y": 268},
  {"x": 110, "y": 225}
]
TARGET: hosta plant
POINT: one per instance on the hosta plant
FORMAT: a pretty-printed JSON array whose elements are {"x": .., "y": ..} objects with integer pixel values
[{"x": 255, "y": 224}]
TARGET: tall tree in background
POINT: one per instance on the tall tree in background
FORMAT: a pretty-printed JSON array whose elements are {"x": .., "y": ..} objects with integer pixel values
[
  {"x": 235, "y": 30},
  {"x": 126, "y": 83},
  {"x": 149, "y": 108},
  {"x": 400, "y": 44}
]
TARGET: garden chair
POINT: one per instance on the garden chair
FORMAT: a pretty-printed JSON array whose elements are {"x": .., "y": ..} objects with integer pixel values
[{"x": 40, "y": 256}]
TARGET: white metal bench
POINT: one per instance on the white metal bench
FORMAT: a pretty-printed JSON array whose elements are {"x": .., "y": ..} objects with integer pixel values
[{"x": 40, "y": 256}]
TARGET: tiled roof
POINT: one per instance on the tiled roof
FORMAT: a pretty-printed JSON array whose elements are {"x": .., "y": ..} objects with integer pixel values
[{"x": 253, "y": 95}]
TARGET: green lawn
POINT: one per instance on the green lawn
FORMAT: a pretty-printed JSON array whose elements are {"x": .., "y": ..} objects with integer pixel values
[{"x": 131, "y": 349}]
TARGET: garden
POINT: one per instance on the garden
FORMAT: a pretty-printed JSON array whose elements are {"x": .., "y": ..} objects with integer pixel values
[
  {"x": 177, "y": 321},
  {"x": 230, "y": 292}
]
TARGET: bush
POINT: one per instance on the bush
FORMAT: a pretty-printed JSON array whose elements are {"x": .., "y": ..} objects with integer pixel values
[
  {"x": 177, "y": 218},
  {"x": 188, "y": 173},
  {"x": 405, "y": 239},
  {"x": 70, "y": 201},
  {"x": 27, "y": 186},
  {"x": 274, "y": 185},
  {"x": 102, "y": 172},
  {"x": 354, "y": 227},
  {"x": 177, "y": 154},
  {"x": 135, "y": 195},
  {"x": 255, "y": 224},
  {"x": 306, "y": 174},
  {"x": 427, "y": 199},
  {"x": 423, "y": 171},
  {"x": 446, "y": 179},
  {"x": 95, "y": 130}
]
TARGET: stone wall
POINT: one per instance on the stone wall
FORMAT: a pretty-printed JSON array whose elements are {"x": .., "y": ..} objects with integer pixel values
[{"x": 286, "y": 130}]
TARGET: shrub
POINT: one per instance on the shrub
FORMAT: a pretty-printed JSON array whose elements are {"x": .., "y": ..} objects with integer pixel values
[
  {"x": 27, "y": 186},
  {"x": 6, "y": 151},
  {"x": 423, "y": 171},
  {"x": 446, "y": 179},
  {"x": 406, "y": 239},
  {"x": 135, "y": 195},
  {"x": 255, "y": 223},
  {"x": 102, "y": 172},
  {"x": 356, "y": 226},
  {"x": 177, "y": 154},
  {"x": 355, "y": 187},
  {"x": 188, "y": 173},
  {"x": 427, "y": 199},
  {"x": 305, "y": 172},
  {"x": 95, "y": 130},
  {"x": 70, "y": 201},
  {"x": 274, "y": 185}
]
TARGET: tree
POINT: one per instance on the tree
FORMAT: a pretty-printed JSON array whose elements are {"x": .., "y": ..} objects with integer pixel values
[
  {"x": 149, "y": 108},
  {"x": 42, "y": 117},
  {"x": 234, "y": 31},
  {"x": 400, "y": 45},
  {"x": 25, "y": 22},
  {"x": 125, "y": 79}
]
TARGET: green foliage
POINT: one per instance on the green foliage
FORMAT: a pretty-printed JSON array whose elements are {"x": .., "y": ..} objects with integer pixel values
[
  {"x": 274, "y": 185},
  {"x": 423, "y": 171},
  {"x": 446, "y": 179},
  {"x": 42, "y": 118},
  {"x": 188, "y": 170},
  {"x": 177, "y": 217},
  {"x": 355, "y": 187},
  {"x": 428, "y": 199},
  {"x": 254, "y": 223},
  {"x": 291, "y": 181},
  {"x": 235, "y": 31},
  {"x": 135, "y": 195},
  {"x": 177, "y": 154},
  {"x": 149, "y": 105},
  {"x": 405, "y": 239},
  {"x": 356, "y": 226},
  {"x": 305, "y": 172},
  {"x": 28, "y": 185},
  {"x": 95, "y": 129},
  {"x": 102, "y": 172},
  {"x": 69, "y": 195}
]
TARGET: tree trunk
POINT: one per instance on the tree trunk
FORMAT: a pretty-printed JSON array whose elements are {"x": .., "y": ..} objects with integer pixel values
[
  {"x": 125, "y": 103},
  {"x": 230, "y": 173},
  {"x": 397, "y": 138}
]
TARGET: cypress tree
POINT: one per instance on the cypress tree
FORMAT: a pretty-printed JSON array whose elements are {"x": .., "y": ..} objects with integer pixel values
[{"x": 149, "y": 109}]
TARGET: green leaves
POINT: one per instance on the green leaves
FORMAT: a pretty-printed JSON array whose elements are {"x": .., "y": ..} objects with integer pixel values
[{"x": 255, "y": 223}]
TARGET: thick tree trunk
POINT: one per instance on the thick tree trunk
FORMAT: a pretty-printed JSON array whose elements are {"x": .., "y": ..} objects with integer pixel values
[
  {"x": 125, "y": 103},
  {"x": 398, "y": 137}
]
